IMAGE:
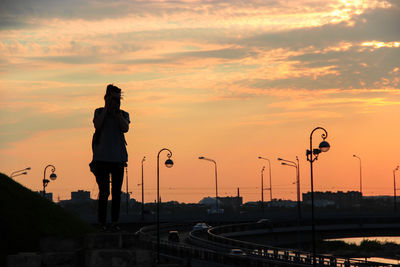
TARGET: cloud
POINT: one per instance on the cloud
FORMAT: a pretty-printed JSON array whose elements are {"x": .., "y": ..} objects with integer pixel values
[
  {"x": 185, "y": 52},
  {"x": 14, "y": 24},
  {"x": 27, "y": 122},
  {"x": 171, "y": 58},
  {"x": 198, "y": 13},
  {"x": 375, "y": 24},
  {"x": 68, "y": 59}
]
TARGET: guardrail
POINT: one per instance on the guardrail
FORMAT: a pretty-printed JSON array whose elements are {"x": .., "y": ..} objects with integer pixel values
[
  {"x": 296, "y": 256},
  {"x": 211, "y": 246},
  {"x": 149, "y": 240}
]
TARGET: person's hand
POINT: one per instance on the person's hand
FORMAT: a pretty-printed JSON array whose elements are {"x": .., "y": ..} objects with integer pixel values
[
  {"x": 117, "y": 113},
  {"x": 107, "y": 106}
]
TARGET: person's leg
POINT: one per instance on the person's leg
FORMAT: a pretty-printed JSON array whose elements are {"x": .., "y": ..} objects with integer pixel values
[
  {"x": 117, "y": 173},
  {"x": 103, "y": 181}
]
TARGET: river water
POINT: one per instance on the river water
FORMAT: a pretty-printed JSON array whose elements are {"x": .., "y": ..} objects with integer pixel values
[
  {"x": 380, "y": 260},
  {"x": 382, "y": 239}
]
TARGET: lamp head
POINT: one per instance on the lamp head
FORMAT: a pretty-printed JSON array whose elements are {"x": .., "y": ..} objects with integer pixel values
[
  {"x": 169, "y": 163},
  {"x": 260, "y": 157},
  {"x": 316, "y": 151},
  {"x": 279, "y": 159},
  {"x": 324, "y": 146},
  {"x": 28, "y": 168},
  {"x": 53, "y": 176},
  {"x": 201, "y": 157},
  {"x": 24, "y": 173}
]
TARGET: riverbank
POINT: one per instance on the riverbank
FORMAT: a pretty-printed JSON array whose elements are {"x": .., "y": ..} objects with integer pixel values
[{"x": 367, "y": 248}]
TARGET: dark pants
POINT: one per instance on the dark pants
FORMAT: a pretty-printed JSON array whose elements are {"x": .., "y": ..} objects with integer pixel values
[{"x": 103, "y": 171}]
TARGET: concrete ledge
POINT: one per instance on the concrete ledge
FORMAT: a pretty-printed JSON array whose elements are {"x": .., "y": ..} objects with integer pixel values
[
  {"x": 60, "y": 259},
  {"x": 110, "y": 240},
  {"x": 110, "y": 258},
  {"x": 144, "y": 258},
  {"x": 24, "y": 260},
  {"x": 129, "y": 240},
  {"x": 56, "y": 244},
  {"x": 103, "y": 240}
]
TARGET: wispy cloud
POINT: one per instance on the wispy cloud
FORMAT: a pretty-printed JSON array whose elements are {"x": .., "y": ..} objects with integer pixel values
[{"x": 174, "y": 56}]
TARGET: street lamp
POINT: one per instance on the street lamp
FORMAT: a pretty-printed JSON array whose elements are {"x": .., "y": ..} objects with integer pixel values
[
  {"x": 53, "y": 176},
  {"x": 168, "y": 163},
  {"x": 270, "y": 183},
  {"x": 360, "y": 174},
  {"x": 262, "y": 190},
  {"x": 295, "y": 165},
  {"x": 394, "y": 188},
  {"x": 216, "y": 182},
  {"x": 312, "y": 155},
  {"x": 20, "y": 172},
  {"x": 143, "y": 160}
]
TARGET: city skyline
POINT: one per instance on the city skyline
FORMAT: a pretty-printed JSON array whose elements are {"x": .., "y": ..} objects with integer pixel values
[{"x": 229, "y": 81}]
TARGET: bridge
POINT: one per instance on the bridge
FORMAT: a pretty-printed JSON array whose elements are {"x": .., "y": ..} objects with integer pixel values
[{"x": 215, "y": 243}]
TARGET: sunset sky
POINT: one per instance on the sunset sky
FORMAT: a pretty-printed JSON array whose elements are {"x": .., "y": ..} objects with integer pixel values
[{"x": 228, "y": 80}]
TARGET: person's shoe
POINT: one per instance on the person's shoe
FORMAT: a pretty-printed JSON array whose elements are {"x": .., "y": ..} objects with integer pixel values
[
  {"x": 114, "y": 227},
  {"x": 103, "y": 227}
]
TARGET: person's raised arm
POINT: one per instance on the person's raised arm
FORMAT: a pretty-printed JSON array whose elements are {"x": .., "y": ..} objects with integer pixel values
[
  {"x": 99, "y": 119},
  {"x": 123, "y": 123}
]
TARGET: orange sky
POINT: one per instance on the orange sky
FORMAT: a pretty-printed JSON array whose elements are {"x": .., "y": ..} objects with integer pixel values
[{"x": 229, "y": 81}]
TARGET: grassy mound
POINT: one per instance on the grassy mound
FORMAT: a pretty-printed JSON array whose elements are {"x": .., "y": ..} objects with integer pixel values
[{"x": 26, "y": 216}]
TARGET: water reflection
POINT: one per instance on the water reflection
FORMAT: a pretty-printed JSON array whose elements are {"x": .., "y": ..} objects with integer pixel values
[{"x": 380, "y": 260}]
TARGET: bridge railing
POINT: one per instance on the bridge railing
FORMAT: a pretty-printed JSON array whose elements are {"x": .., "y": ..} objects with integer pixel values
[
  {"x": 214, "y": 234},
  {"x": 214, "y": 247}
]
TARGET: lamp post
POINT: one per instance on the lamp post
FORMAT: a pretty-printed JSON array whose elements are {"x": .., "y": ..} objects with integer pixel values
[
  {"x": 127, "y": 188},
  {"x": 262, "y": 190},
  {"x": 168, "y": 163},
  {"x": 394, "y": 188},
  {"x": 270, "y": 179},
  {"x": 312, "y": 155},
  {"x": 216, "y": 182},
  {"x": 295, "y": 165},
  {"x": 20, "y": 172},
  {"x": 360, "y": 174},
  {"x": 53, "y": 176},
  {"x": 143, "y": 160}
]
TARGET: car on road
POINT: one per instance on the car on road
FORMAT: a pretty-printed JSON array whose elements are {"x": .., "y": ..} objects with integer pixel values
[
  {"x": 264, "y": 221},
  {"x": 237, "y": 252},
  {"x": 173, "y": 236},
  {"x": 267, "y": 223},
  {"x": 201, "y": 226}
]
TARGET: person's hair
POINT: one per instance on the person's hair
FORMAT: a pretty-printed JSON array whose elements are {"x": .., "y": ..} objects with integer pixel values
[{"x": 111, "y": 88}]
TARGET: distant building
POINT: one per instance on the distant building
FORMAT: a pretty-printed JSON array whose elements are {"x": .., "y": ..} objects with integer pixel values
[
  {"x": 223, "y": 202},
  {"x": 80, "y": 196},
  {"x": 282, "y": 203},
  {"x": 339, "y": 199},
  {"x": 210, "y": 202},
  {"x": 234, "y": 202}
]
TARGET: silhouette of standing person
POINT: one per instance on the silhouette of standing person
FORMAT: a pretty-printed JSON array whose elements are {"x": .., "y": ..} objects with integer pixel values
[{"x": 109, "y": 154}]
